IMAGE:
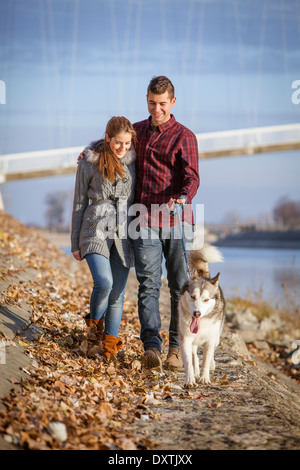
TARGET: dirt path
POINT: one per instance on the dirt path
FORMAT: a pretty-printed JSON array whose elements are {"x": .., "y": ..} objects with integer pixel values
[
  {"x": 249, "y": 405},
  {"x": 244, "y": 408}
]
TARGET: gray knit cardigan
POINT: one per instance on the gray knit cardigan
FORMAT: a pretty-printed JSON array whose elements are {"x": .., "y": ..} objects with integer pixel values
[{"x": 99, "y": 216}]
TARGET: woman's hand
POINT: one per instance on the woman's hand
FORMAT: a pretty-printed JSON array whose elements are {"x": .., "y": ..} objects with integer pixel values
[{"x": 76, "y": 255}]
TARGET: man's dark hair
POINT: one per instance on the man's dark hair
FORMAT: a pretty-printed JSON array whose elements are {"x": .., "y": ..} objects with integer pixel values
[{"x": 161, "y": 84}]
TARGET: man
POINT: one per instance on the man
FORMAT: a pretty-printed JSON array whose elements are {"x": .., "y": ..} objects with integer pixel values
[{"x": 166, "y": 172}]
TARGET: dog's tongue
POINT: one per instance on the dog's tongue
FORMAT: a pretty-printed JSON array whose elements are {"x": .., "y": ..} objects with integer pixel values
[{"x": 195, "y": 325}]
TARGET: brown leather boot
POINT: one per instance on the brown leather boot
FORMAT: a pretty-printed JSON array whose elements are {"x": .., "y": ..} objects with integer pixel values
[
  {"x": 95, "y": 328},
  {"x": 152, "y": 359},
  {"x": 173, "y": 361},
  {"x": 110, "y": 346}
]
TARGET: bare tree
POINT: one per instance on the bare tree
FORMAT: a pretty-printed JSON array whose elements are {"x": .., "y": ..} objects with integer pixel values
[
  {"x": 55, "y": 211},
  {"x": 287, "y": 213}
]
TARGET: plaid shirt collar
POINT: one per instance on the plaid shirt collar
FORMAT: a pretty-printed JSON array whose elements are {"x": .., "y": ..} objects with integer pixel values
[{"x": 163, "y": 127}]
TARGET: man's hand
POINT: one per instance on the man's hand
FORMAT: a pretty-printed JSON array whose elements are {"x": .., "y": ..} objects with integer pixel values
[
  {"x": 171, "y": 204},
  {"x": 76, "y": 255},
  {"x": 81, "y": 156},
  {"x": 181, "y": 201}
]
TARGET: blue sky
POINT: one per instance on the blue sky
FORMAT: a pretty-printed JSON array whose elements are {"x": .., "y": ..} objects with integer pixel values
[{"x": 69, "y": 65}]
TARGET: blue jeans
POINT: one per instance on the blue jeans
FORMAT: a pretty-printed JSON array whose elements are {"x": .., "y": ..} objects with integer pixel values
[
  {"x": 148, "y": 265},
  {"x": 107, "y": 299}
]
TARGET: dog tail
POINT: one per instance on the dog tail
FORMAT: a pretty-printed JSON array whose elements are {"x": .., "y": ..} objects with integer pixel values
[{"x": 200, "y": 258}]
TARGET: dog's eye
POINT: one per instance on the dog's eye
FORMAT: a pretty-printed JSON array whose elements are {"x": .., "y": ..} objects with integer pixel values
[{"x": 205, "y": 300}]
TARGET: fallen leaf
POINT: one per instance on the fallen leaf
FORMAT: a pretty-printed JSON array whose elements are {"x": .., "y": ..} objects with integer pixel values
[
  {"x": 128, "y": 444},
  {"x": 105, "y": 410}
]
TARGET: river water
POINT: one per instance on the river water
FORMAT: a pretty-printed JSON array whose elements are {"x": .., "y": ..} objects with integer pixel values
[{"x": 259, "y": 274}]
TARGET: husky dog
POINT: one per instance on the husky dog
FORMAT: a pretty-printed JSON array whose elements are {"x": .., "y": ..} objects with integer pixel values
[{"x": 201, "y": 315}]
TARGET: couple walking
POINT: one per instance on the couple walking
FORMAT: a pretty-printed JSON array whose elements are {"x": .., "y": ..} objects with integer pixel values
[{"x": 147, "y": 165}]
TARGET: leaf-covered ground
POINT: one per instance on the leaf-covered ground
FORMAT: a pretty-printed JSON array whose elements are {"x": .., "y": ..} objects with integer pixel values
[
  {"x": 66, "y": 381},
  {"x": 68, "y": 398}
]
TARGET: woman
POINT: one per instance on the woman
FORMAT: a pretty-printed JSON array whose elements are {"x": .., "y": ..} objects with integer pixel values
[{"x": 104, "y": 189}]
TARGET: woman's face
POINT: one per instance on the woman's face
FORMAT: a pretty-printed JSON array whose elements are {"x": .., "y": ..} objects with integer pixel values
[{"x": 119, "y": 144}]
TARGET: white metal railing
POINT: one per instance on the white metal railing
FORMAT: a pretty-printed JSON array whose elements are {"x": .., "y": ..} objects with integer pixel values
[
  {"x": 248, "y": 139},
  {"x": 240, "y": 141},
  {"x": 39, "y": 161}
]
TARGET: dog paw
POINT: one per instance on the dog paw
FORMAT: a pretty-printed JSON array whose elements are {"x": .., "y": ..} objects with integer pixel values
[
  {"x": 204, "y": 380},
  {"x": 189, "y": 385}
]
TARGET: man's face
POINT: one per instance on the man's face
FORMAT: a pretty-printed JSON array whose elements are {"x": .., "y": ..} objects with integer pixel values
[{"x": 159, "y": 107}]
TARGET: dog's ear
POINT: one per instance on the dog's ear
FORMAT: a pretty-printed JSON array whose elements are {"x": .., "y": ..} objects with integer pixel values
[
  {"x": 185, "y": 287},
  {"x": 215, "y": 280}
]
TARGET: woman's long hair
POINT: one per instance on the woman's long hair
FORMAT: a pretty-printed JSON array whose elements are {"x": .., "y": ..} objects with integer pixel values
[{"x": 109, "y": 165}]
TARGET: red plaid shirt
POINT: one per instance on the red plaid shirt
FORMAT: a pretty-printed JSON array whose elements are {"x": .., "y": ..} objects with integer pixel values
[{"x": 166, "y": 167}]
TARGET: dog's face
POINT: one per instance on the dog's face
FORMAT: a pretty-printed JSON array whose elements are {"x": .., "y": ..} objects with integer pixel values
[{"x": 200, "y": 298}]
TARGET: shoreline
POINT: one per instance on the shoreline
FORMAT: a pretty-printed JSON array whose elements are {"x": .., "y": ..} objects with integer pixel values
[{"x": 261, "y": 239}]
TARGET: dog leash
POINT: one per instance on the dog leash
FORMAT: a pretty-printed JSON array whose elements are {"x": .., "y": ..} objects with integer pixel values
[{"x": 178, "y": 210}]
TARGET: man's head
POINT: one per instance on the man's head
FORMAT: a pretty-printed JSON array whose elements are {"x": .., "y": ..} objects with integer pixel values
[
  {"x": 160, "y": 99},
  {"x": 159, "y": 85}
]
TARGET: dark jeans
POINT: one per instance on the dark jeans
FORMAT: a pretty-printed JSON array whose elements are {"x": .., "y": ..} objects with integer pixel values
[{"x": 149, "y": 249}]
